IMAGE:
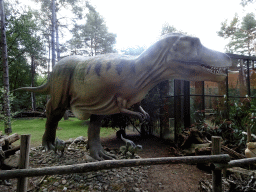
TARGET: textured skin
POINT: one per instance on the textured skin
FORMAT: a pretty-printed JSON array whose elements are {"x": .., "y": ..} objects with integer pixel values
[{"x": 112, "y": 83}]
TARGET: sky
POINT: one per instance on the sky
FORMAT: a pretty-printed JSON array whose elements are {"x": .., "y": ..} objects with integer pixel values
[{"x": 139, "y": 22}]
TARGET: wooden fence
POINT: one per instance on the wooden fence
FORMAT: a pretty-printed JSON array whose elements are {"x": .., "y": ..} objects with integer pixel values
[{"x": 219, "y": 162}]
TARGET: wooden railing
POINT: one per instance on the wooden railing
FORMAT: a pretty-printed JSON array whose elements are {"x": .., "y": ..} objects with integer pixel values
[{"x": 218, "y": 162}]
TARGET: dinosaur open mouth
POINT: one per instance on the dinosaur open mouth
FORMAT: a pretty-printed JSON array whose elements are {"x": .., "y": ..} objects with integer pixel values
[
  {"x": 210, "y": 69},
  {"x": 215, "y": 70}
]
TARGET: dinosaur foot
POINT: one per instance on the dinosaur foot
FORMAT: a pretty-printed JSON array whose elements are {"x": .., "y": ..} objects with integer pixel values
[
  {"x": 97, "y": 152},
  {"x": 48, "y": 145}
]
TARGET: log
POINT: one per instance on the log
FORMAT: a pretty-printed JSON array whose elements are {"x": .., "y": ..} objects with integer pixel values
[
  {"x": 12, "y": 151},
  {"x": 232, "y": 153},
  {"x": 9, "y": 139},
  {"x": 96, "y": 166}
]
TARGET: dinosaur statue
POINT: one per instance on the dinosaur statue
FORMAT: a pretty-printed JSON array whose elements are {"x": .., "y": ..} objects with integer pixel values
[
  {"x": 59, "y": 145},
  {"x": 107, "y": 84},
  {"x": 129, "y": 147}
]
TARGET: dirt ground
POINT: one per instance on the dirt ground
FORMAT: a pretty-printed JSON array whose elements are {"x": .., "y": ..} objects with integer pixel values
[{"x": 164, "y": 178}]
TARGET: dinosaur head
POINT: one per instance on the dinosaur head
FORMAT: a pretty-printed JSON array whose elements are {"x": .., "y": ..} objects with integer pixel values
[{"x": 187, "y": 59}]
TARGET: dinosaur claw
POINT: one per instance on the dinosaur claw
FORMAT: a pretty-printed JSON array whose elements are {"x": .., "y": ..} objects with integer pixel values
[{"x": 98, "y": 153}]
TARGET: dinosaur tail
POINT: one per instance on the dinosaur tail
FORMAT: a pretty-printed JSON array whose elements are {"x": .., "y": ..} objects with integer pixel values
[{"x": 43, "y": 89}]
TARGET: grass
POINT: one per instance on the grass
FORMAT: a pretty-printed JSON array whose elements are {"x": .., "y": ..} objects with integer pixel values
[{"x": 71, "y": 128}]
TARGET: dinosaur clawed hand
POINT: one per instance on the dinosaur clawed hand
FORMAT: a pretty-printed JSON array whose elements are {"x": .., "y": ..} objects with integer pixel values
[{"x": 142, "y": 117}]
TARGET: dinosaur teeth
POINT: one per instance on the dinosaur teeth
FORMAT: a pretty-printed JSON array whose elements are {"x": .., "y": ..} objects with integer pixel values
[{"x": 214, "y": 70}]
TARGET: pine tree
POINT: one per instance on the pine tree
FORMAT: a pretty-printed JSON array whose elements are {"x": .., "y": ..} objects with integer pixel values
[
  {"x": 241, "y": 35},
  {"x": 92, "y": 38}
]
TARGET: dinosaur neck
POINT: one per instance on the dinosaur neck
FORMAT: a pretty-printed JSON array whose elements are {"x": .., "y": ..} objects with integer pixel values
[{"x": 151, "y": 69}]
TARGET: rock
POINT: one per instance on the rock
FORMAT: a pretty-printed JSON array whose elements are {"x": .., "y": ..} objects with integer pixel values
[
  {"x": 63, "y": 182},
  {"x": 56, "y": 184},
  {"x": 105, "y": 187},
  {"x": 193, "y": 147},
  {"x": 136, "y": 189},
  {"x": 80, "y": 139},
  {"x": 123, "y": 179},
  {"x": 12, "y": 161},
  {"x": 90, "y": 176},
  {"x": 88, "y": 158}
]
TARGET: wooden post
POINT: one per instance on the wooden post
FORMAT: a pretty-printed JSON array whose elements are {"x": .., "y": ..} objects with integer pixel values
[
  {"x": 216, "y": 174},
  {"x": 249, "y": 134},
  {"x": 23, "y": 162}
]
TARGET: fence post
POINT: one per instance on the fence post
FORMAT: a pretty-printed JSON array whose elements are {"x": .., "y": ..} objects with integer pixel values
[
  {"x": 249, "y": 134},
  {"x": 216, "y": 174},
  {"x": 23, "y": 162}
]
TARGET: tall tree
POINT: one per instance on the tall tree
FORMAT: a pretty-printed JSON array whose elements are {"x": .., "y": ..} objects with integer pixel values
[
  {"x": 7, "y": 120},
  {"x": 92, "y": 38},
  {"x": 24, "y": 42},
  {"x": 53, "y": 32},
  {"x": 50, "y": 11},
  {"x": 241, "y": 35}
]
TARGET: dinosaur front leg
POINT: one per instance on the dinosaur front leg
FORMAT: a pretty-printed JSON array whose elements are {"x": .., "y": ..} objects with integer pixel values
[
  {"x": 122, "y": 105},
  {"x": 146, "y": 115},
  {"x": 94, "y": 145}
]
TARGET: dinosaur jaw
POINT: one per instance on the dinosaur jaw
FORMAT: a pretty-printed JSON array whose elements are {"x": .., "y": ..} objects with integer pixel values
[
  {"x": 202, "y": 64},
  {"x": 198, "y": 71},
  {"x": 205, "y": 67}
]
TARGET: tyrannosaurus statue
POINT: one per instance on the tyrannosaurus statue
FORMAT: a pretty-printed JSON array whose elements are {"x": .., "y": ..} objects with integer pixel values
[{"x": 107, "y": 84}]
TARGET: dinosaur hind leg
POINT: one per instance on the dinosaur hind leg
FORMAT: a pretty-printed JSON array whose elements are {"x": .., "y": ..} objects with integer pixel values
[
  {"x": 53, "y": 115},
  {"x": 94, "y": 145}
]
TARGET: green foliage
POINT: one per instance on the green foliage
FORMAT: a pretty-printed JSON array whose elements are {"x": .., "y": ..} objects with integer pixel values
[
  {"x": 240, "y": 34},
  {"x": 41, "y": 100},
  {"x": 23, "y": 41},
  {"x": 3, "y": 117},
  {"x": 119, "y": 120},
  {"x": 92, "y": 38},
  {"x": 232, "y": 121}
]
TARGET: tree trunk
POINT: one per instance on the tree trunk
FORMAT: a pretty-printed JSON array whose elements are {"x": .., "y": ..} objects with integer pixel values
[
  {"x": 33, "y": 71},
  {"x": 53, "y": 32},
  {"x": 66, "y": 117},
  {"x": 49, "y": 63},
  {"x": 57, "y": 42},
  {"x": 7, "y": 113}
]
